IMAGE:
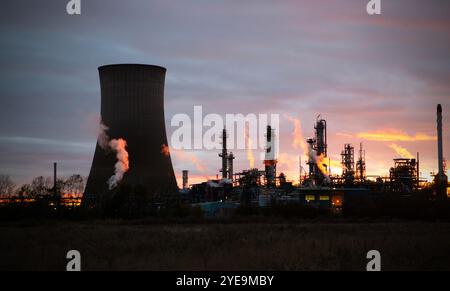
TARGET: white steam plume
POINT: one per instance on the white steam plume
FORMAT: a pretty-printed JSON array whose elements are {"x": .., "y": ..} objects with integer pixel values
[{"x": 119, "y": 147}]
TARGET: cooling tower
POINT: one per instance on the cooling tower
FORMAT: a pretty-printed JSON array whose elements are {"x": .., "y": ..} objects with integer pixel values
[{"x": 132, "y": 107}]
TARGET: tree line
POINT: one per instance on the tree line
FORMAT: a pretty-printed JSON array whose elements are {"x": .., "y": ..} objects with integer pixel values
[{"x": 42, "y": 186}]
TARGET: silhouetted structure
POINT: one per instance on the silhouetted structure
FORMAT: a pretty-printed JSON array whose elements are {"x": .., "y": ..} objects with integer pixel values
[
  {"x": 185, "y": 179},
  {"x": 441, "y": 179},
  {"x": 319, "y": 146},
  {"x": 132, "y": 107},
  {"x": 270, "y": 161},
  {"x": 403, "y": 176},
  {"x": 361, "y": 165},
  {"x": 224, "y": 155},
  {"x": 348, "y": 164}
]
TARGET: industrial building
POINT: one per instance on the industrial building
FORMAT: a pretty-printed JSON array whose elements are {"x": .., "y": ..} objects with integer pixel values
[
  {"x": 132, "y": 153},
  {"x": 132, "y": 108},
  {"x": 316, "y": 188}
]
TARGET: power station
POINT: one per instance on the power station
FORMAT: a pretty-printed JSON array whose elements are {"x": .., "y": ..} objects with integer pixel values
[
  {"x": 318, "y": 187},
  {"x": 132, "y": 109},
  {"x": 132, "y": 153}
]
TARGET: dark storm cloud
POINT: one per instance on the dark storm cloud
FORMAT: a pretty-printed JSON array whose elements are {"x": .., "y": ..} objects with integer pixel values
[{"x": 297, "y": 57}]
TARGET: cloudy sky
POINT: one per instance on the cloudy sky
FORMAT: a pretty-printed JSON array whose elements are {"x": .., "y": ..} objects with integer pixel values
[{"x": 375, "y": 79}]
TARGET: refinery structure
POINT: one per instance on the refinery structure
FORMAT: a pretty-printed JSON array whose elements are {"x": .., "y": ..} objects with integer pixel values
[
  {"x": 132, "y": 151},
  {"x": 132, "y": 110},
  {"x": 316, "y": 187}
]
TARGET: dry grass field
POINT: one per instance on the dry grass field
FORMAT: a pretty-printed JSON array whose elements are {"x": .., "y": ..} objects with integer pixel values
[{"x": 118, "y": 245}]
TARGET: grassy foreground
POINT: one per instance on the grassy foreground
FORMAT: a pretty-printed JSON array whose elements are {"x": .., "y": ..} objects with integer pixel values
[{"x": 117, "y": 245}]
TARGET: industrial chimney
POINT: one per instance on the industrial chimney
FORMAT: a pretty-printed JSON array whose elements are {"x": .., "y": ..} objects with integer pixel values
[
  {"x": 270, "y": 162},
  {"x": 132, "y": 107},
  {"x": 441, "y": 179},
  {"x": 224, "y": 155}
]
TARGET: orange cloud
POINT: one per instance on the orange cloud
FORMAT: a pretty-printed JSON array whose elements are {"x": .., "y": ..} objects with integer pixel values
[{"x": 394, "y": 135}]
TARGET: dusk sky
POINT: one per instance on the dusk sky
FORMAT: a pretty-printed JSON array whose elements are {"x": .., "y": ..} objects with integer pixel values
[{"x": 375, "y": 79}]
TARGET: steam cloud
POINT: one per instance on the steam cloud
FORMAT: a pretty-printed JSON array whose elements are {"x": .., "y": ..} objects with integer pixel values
[
  {"x": 298, "y": 139},
  {"x": 119, "y": 147},
  {"x": 404, "y": 153}
]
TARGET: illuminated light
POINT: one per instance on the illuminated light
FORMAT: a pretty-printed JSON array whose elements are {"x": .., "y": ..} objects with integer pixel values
[
  {"x": 310, "y": 198},
  {"x": 66, "y": 202},
  {"x": 250, "y": 157},
  {"x": 324, "y": 198},
  {"x": 337, "y": 200}
]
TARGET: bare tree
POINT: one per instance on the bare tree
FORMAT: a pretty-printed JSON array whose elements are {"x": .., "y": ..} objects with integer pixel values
[
  {"x": 74, "y": 185},
  {"x": 41, "y": 186},
  {"x": 24, "y": 191},
  {"x": 6, "y": 186}
]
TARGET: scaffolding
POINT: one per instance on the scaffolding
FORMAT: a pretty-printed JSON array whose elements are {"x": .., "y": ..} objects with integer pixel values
[
  {"x": 348, "y": 164},
  {"x": 403, "y": 176},
  {"x": 361, "y": 165},
  {"x": 224, "y": 155}
]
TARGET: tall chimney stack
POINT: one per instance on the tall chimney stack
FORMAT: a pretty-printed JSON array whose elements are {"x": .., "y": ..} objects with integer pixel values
[
  {"x": 224, "y": 154},
  {"x": 230, "y": 165},
  {"x": 55, "y": 190},
  {"x": 439, "y": 132},
  {"x": 441, "y": 178},
  {"x": 270, "y": 163}
]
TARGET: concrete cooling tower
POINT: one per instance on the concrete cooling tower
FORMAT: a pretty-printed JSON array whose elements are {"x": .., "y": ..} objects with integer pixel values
[{"x": 132, "y": 109}]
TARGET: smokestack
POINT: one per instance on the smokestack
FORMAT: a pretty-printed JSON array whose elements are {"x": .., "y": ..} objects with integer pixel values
[
  {"x": 418, "y": 171},
  {"x": 185, "y": 179},
  {"x": 55, "y": 190},
  {"x": 224, "y": 154},
  {"x": 230, "y": 166},
  {"x": 321, "y": 136},
  {"x": 439, "y": 132},
  {"x": 270, "y": 163},
  {"x": 132, "y": 109},
  {"x": 441, "y": 178}
]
